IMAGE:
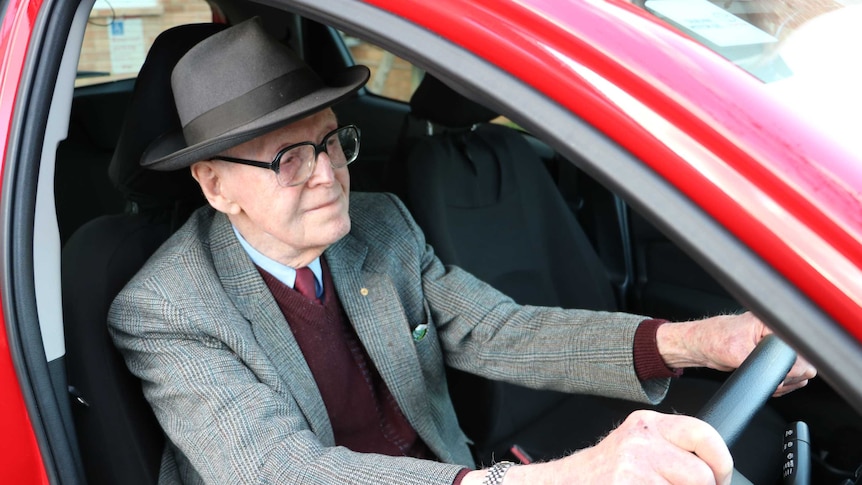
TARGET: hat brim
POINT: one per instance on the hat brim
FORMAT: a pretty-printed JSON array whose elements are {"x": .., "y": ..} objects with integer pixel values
[{"x": 169, "y": 151}]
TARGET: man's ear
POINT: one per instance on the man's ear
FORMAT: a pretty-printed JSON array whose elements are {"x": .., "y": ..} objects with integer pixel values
[{"x": 210, "y": 177}]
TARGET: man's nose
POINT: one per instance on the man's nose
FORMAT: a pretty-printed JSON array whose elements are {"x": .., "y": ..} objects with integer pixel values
[{"x": 323, "y": 172}]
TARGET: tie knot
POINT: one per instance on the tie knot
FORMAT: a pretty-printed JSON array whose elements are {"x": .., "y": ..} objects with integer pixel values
[{"x": 305, "y": 284}]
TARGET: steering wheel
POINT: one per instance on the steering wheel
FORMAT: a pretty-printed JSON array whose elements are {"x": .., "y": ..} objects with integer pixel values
[{"x": 746, "y": 391}]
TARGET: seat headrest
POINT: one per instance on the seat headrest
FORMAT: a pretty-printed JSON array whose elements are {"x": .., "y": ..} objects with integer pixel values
[
  {"x": 442, "y": 105},
  {"x": 151, "y": 113}
]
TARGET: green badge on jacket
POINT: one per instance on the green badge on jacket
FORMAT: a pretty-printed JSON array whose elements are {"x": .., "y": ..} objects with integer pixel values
[{"x": 419, "y": 332}]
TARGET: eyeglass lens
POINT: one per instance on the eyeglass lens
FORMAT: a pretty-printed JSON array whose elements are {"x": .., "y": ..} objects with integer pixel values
[{"x": 296, "y": 165}]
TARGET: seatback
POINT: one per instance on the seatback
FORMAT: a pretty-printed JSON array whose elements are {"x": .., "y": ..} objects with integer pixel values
[
  {"x": 119, "y": 438},
  {"x": 487, "y": 203},
  {"x": 83, "y": 190}
]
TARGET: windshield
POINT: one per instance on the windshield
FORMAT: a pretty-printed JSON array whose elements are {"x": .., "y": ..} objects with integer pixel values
[{"x": 807, "y": 52}]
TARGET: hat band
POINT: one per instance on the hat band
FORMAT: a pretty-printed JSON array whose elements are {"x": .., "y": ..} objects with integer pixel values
[{"x": 258, "y": 102}]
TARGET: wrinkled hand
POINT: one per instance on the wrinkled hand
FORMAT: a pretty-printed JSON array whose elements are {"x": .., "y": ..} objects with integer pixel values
[
  {"x": 722, "y": 343},
  {"x": 648, "y": 448}
]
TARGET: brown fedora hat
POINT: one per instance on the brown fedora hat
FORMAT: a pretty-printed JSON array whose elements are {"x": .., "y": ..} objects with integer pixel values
[{"x": 237, "y": 85}]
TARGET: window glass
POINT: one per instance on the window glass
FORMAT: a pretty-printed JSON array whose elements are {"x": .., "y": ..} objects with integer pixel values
[
  {"x": 391, "y": 76},
  {"x": 119, "y": 34},
  {"x": 803, "y": 50},
  {"x": 750, "y": 34}
]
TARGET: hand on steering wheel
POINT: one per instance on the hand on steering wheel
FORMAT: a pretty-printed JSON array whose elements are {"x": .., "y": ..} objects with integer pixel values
[{"x": 650, "y": 447}]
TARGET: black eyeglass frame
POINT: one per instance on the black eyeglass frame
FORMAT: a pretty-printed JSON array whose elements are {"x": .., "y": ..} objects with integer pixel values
[{"x": 275, "y": 164}]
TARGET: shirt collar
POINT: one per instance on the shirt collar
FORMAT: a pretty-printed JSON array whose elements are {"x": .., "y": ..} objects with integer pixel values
[{"x": 281, "y": 272}]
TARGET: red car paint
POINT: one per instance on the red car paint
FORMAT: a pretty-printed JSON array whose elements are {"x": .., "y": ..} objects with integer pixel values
[{"x": 20, "y": 459}]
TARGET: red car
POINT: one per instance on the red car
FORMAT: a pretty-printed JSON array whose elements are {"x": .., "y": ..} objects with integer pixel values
[{"x": 708, "y": 153}]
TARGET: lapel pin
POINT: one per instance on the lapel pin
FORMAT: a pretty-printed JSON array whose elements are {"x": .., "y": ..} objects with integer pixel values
[{"x": 419, "y": 332}]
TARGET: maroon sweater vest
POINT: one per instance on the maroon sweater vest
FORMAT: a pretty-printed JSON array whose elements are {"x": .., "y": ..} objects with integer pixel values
[{"x": 365, "y": 416}]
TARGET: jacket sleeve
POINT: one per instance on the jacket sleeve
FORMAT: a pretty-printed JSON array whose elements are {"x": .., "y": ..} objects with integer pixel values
[{"x": 484, "y": 332}]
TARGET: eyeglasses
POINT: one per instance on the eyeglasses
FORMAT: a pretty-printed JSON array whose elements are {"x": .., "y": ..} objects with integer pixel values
[{"x": 294, "y": 165}]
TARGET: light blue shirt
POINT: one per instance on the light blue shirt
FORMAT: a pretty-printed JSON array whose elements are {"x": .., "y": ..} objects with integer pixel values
[{"x": 281, "y": 272}]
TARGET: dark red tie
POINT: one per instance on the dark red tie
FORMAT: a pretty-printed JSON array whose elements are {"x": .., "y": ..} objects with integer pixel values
[{"x": 305, "y": 284}]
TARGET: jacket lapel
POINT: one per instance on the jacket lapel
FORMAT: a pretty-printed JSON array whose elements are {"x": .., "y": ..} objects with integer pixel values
[
  {"x": 373, "y": 307},
  {"x": 252, "y": 298},
  {"x": 371, "y": 304}
]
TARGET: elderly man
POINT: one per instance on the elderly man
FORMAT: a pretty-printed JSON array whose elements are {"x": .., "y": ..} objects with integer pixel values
[{"x": 292, "y": 332}]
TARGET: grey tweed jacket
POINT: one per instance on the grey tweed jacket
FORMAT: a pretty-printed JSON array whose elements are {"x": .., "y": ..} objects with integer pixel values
[{"x": 238, "y": 403}]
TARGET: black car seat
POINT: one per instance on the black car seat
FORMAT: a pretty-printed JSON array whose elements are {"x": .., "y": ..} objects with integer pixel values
[
  {"x": 82, "y": 188},
  {"x": 119, "y": 438},
  {"x": 487, "y": 203}
]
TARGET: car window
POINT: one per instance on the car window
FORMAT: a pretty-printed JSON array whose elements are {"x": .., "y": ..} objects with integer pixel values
[
  {"x": 799, "y": 49},
  {"x": 750, "y": 34},
  {"x": 391, "y": 76},
  {"x": 119, "y": 34}
]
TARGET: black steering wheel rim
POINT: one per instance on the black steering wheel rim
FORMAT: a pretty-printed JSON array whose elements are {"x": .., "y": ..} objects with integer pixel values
[{"x": 735, "y": 403}]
